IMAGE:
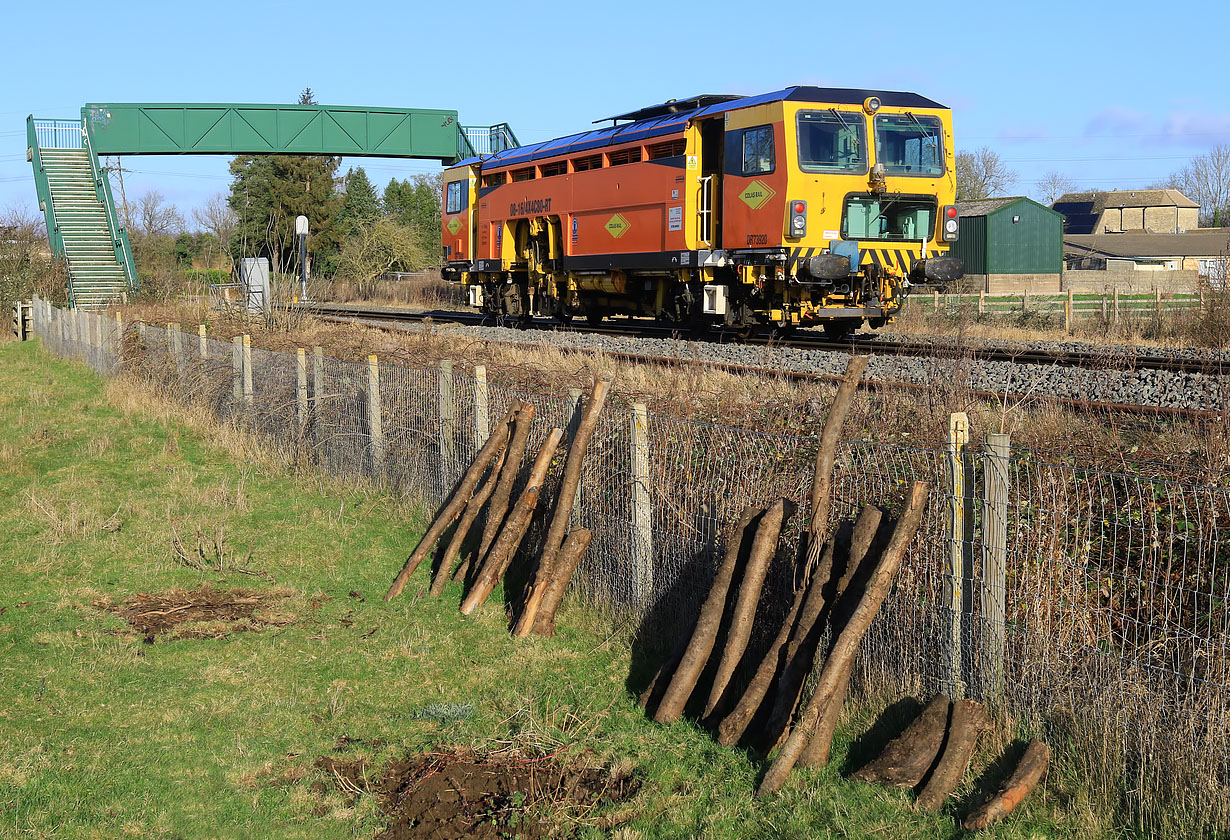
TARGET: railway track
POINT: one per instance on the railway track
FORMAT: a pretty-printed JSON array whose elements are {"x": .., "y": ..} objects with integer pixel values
[
  {"x": 808, "y": 341},
  {"x": 392, "y": 319}
]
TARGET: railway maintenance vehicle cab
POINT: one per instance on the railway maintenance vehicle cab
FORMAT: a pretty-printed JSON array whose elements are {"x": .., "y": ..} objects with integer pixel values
[{"x": 802, "y": 207}]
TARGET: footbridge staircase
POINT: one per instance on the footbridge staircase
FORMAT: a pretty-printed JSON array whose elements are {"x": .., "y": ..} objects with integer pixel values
[{"x": 74, "y": 192}]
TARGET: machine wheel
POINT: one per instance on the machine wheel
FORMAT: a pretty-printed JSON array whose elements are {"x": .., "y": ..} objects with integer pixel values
[
  {"x": 839, "y": 330},
  {"x": 593, "y": 318}
]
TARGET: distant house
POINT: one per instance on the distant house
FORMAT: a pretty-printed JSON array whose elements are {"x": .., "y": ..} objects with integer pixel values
[
  {"x": 1203, "y": 251},
  {"x": 1122, "y": 211},
  {"x": 1010, "y": 244}
]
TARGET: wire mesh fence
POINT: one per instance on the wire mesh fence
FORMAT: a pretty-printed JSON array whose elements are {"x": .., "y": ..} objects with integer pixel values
[{"x": 1090, "y": 606}]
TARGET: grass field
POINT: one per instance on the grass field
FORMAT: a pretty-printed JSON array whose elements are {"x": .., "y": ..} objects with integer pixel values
[{"x": 215, "y": 731}]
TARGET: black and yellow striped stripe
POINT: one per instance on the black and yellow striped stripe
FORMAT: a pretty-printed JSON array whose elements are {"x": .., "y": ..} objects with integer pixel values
[{"x": 902, "y": 259}]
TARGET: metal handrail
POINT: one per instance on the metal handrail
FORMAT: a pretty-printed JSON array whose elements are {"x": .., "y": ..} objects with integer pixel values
[
  {"x": 488, "y": 140},
  {"x": 57, "y": 134},
  {"x": 119, "y": 235}
]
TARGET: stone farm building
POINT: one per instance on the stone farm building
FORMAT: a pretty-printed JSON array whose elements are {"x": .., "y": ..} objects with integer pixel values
[{"x": 1122, "y": 211}]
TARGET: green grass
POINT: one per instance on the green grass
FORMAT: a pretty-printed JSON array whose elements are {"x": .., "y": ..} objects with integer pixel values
[{"x": 104, "y": 736}]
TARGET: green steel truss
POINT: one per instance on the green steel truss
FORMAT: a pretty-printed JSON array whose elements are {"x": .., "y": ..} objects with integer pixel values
[{"x": 226, "y": 128}]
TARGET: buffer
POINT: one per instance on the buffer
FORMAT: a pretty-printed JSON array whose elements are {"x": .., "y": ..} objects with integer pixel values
[{"x": 74, "y": 192}]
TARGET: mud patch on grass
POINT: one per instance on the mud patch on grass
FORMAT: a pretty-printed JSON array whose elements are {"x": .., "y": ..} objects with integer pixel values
[
  {"x": 448, "y": 796},
  {"x": 202, "y": 613}
]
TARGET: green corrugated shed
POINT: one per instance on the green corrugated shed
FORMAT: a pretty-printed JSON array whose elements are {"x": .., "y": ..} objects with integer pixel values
[{"x": 1014, "y": 235}]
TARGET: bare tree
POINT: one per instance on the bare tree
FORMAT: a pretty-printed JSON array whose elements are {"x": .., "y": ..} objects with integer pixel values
[
  {"x": 216, "y": 217},
  {"x": 1206, "y": 181},
  {"x": 982, "y": 174},
  {"x": 151, "y": 216},
  {"x": 375, "y": 248},
  {"x": 1053, "y": 185}
]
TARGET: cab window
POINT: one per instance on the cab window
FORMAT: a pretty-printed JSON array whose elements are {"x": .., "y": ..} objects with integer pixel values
[
  {"x": 831, "y": 141},
  {"x": 909, "y": 145},
  {"x": 758, "y": 150},
  {"x": 455, "y": 197},
  {"x": 888, "y": 218}
]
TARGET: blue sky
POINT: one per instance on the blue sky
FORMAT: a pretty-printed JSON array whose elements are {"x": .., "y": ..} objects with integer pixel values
[{"x": 1110, "y": 95}]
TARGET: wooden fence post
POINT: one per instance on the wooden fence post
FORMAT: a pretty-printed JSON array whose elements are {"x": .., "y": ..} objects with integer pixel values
[
  {"x": 119, "y": 335},
  {"x": 935, "y": 300},
  {"x": 1025, "y": 302},
  {"x": 482, "y": 407},
  {"x": 248, "y": 385},
  {"x": 642, "y": 505},
  {"x": 1116, "y": 305},
  {"x": 959, "y": 542},
  {"x": 374, "y": 421},
  {"x": 237, "y": 368},
  {"x": 982, "y": 301},
  {"x": 1067, "y": 313},
  {"x": 301, "y": 391},
  {"x": 995, "y": 463},
  {"x": 203, "y": 337},
  {"x": 1157, "y": 302}
]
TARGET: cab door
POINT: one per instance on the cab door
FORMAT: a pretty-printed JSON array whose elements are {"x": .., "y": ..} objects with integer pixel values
[
  {"x": 457, "y": 219},
  {"x": 754, "y": 192}
]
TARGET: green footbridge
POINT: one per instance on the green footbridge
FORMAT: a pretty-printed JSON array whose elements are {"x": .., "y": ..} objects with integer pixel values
[{"x": 74, "y": 192}]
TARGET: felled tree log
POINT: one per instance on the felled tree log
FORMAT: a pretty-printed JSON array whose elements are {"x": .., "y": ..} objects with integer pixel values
[
  {"x": 816, "y": 753},
  {"x": 764, "y": 547},
  {"x": 733, "y": 726},
  {"x": 696, "y": 654},
  {"x": 822, "y": 480},
  {"x": 496, "y": 563},
  {"x": 451, "y": 511},
  {"x": 471, "y": 512},
  {"x": 842, "y": 656},
  {"x": 1024, "y": 779},
  {"x": 552, "y": 545},
  {"x": 969, "y": 719},
  {"x": 805, "y": 638},
  {"x": 906, "y": 759},
  {"x": 575, "y": 546},
  {"x": 502, "y": 496}
]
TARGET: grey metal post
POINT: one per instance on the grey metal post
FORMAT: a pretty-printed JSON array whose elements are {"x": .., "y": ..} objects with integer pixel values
[
  {"x": 994, "y": 561},
  {"x": 958, "y": 545},
  {"x": 301, "y": 391},
  {"x": 642, "y": 505},
  {"x": 173, "y": 342},
  {"x": 318, "y": 379},
  {"x": 482, "y": 407},
  {"x": 448, "y": 417},
  {"x": 247, "y": 371},
  {"x": 237, "y": 368},
  {"x": 574, "y": 423},
  {"x": 375, "y": 425}
]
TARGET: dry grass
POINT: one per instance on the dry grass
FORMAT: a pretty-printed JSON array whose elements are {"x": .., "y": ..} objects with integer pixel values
[{"x": 765, "y": 402}]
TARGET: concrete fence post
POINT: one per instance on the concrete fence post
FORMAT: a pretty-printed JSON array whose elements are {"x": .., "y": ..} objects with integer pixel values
[
  {"x": 141, "y": 334},
  {"x": 994, "y": 562},
  {"x": 203, "y": 340},
  {"x": 448, "y": 417},
  {"x": 248, "y": 383},
  {"x": 642, "y": 506},
  {"x": 119, "y": 336},
  {"x": 374, "y": 420},
  {"x": 301, "y": 391},
  {"x": 237, "y": 368},
  {"x": 482, "y": 407},
  {"x": 960, "y": 521}
]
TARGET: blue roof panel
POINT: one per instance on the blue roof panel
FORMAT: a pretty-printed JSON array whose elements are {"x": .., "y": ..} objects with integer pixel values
[{"x": 658, "y": 126}]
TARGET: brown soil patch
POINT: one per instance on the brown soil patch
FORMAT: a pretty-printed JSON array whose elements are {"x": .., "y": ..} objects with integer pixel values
[
  {"x": 202, "y": 613},
  {"x": 441, "y": 796}
]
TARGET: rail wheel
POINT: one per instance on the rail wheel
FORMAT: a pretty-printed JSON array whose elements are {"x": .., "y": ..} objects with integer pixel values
[{"x": 838, "y": 330}]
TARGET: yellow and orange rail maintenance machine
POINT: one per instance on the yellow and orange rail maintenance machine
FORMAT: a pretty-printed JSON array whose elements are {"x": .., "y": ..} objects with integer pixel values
[{"x": 803, "y": 207}]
